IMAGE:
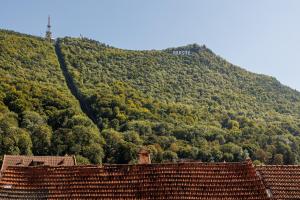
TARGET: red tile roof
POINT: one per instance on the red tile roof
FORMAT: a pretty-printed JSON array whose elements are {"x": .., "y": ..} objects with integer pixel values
[
  {"x": 230, "y": 181},
  {"x": 21, "y": 160},
  {"x": 282, "y": 180}
]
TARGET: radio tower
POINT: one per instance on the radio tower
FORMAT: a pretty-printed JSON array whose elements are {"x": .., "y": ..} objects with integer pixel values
[{"x": 48, "y": 32}]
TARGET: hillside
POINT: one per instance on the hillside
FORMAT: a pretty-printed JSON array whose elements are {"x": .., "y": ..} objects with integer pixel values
[
  {"x": 195, "y": 106},
  {"x": 38, "y": 114},
  {"x": 102, "y": 104}
]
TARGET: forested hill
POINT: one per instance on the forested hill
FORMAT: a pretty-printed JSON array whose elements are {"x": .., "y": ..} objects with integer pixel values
[
  {"x": 38, "y": 114},
  {"x": 192, "y": 105},
  {"x": 195, "y": 106}
]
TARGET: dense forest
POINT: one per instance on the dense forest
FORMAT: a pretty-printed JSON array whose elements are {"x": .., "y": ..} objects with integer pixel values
[
  {"x": 195, "y": 106},
  {"x": 38, "y": 114},
  {"x": 103, "y": 104}
]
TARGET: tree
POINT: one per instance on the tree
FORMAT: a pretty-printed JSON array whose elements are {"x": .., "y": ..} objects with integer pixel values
[
  {"x": 262, "y": 156},
  {"x": 41, "y": 133},
  {"x": 278, "y": 159},
  {"x": 170, "y": 156}
]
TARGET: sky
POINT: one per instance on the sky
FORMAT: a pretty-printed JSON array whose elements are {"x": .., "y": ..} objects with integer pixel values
[{"x": 262, "y": 36}]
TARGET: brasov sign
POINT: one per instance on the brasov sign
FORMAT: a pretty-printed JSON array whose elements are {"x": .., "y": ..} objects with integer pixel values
[{"x": 186, "y": 52}]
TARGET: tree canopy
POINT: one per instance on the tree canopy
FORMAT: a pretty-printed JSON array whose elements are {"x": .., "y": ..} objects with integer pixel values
[
  {"x": 183, "y": 106},
  {"x": 194, "y": 106},
  {"x": 38, "y": 114}
]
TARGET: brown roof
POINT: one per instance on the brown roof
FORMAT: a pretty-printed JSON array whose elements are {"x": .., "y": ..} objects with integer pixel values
[
  {"x": 20, "y": 160},
  {"x": 282, "y": 180},
  {"x": 232, "y": 181}
]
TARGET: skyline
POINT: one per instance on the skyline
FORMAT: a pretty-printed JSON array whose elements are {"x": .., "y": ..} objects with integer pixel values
[{"x": 259, "y": 36}]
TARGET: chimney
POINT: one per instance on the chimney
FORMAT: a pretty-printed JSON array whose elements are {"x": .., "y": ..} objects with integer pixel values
[{"x": 144, "y": 157}]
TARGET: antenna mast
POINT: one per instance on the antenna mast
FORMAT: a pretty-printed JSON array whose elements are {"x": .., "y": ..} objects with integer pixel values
[{"x": 48, "y": 32}]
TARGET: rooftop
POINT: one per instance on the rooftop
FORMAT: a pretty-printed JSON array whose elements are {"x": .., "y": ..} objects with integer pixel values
[
  {"x": 21, "y": 160},
  {"x": 51, "y": 177},
  {"x": 282, "y": 180},
  {"x": 143, "y": 181}
]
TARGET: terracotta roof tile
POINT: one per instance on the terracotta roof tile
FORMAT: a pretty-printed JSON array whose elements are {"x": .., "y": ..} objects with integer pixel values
[
  {"x": 282, "y": 180},
  {"x": 21, "y": 160},
  {"x": 230, "y": 181}
]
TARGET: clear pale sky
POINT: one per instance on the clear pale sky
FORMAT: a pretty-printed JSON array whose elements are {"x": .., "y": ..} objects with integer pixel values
[{"x": 262, "y": 36}]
